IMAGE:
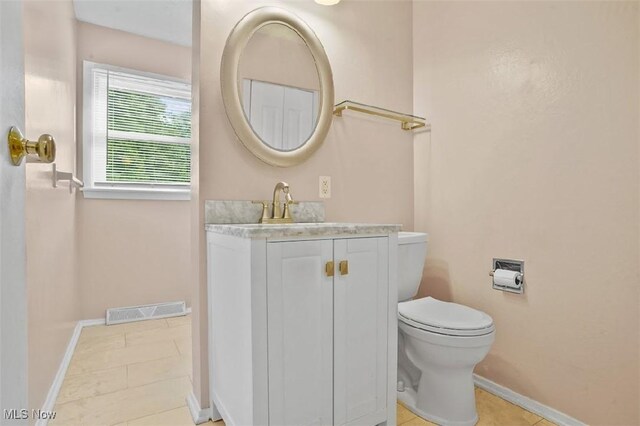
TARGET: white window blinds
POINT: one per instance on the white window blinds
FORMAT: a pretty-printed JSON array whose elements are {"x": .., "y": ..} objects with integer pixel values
[{"x": 140, "y": 130}]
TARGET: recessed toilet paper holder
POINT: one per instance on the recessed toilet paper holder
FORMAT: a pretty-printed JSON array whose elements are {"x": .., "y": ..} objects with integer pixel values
[{"x": 509, "y": 265}]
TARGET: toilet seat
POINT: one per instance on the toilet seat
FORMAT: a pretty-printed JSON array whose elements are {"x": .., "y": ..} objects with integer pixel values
[{"x": 450, "y": 319}]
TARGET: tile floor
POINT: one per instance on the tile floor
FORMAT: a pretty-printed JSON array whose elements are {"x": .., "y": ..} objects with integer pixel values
[
  {"x": 492, "y": 411},
  {"x": 140, "y": 373},
  {"x": 129, "y": 374}
]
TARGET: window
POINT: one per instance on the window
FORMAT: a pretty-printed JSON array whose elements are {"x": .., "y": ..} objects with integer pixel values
[{"x": 137, "y": 134}]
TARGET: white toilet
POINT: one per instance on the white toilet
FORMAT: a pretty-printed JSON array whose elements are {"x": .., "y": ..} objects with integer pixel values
[{"x": 439, "y": 344}]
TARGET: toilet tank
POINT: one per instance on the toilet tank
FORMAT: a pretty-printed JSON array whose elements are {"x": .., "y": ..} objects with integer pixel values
[{"x": 412, "y": 249}]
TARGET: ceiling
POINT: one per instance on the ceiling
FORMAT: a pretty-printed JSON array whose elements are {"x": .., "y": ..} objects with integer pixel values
[{"x": 166, "y": 20}]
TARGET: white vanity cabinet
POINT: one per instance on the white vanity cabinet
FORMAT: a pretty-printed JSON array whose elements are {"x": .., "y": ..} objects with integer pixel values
[{"x": 302, "y": 331}]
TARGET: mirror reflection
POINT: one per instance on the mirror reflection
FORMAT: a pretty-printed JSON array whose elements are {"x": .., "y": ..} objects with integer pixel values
[{"x": 279, "y": 87}]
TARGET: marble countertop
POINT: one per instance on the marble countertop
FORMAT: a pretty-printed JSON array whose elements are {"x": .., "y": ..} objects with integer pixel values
[{"x": 275, "y": 231}]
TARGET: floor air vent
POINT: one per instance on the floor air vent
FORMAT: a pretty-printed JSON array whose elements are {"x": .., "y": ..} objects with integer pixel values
[{"x": 145, "y": 312}]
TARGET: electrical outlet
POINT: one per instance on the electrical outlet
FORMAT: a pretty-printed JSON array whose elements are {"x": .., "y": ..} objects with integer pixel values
[{"x": 324, "y": 189}]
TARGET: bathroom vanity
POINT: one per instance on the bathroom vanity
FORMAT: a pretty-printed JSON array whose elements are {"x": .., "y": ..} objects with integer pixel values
[{"x": 303, "y": 323}]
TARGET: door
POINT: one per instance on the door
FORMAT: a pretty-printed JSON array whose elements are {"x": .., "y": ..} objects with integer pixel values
[
  {"x": 300, "y": 328},
  {"x": 360, "y": 330},
  {"x": 267, "y": 106},
  {"x": 298, "y": 117},
  {"x": 13, "y": 311},
  {"x": 283, "y": 116}
]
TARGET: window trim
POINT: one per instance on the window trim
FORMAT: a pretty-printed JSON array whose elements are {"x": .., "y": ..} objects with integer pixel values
[{"x": 117, "y": 191}]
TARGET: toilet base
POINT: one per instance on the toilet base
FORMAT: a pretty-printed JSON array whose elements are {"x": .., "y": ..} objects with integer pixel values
[
  {"x": 408, "y": 398},
  {"x": 444, "y": 392}
]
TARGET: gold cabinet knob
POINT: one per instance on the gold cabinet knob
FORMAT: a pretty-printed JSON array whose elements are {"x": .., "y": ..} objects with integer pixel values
[
  {"x": 19, "y": 147},
  {"x": 344, "y": 267},
  {"x": 329, "y": 268}
]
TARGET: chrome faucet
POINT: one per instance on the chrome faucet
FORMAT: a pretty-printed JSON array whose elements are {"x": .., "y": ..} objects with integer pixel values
[{"x": 278, "y": 214}]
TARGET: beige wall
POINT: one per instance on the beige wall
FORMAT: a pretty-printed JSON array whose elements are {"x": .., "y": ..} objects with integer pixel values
[
  {"x": 534, "y": 155},
  {"x": 368, "y": 160},
  {"x": 87, "y": 255},
  {"x": 131, "y": 252},
  {"x": 52, "y": 287}
]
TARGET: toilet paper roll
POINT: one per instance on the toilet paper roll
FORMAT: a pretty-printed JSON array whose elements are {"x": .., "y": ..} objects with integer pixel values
[{"x": 505, "y": 278}]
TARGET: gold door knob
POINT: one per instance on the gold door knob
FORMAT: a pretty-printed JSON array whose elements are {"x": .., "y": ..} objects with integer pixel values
[{"x": 19, "y": 147}]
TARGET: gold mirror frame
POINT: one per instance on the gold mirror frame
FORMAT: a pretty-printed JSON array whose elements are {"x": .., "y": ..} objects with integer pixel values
[{"x": 238, "y": 39}]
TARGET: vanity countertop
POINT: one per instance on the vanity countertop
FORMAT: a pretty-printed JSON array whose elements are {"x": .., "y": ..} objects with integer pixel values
[{"x": 250, "y": 230}]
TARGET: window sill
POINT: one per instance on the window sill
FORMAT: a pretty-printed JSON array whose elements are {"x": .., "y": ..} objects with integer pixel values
[{"x": 137, "y": 194}]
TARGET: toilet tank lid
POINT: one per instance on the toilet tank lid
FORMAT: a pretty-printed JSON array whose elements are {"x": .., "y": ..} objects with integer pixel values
[{"x": 412, "y": 237}]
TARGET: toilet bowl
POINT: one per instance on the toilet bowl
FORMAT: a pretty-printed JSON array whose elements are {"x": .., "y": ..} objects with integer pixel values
[{"x": 439, "y": 344}]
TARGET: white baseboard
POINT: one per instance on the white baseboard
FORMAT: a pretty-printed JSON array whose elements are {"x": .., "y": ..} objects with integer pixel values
[
  {"x": 54, "y": 390},
  {"x": 92, "y": 322},
  {"x": 197, "y": 414},
  {"x": 528, "y": 404}
]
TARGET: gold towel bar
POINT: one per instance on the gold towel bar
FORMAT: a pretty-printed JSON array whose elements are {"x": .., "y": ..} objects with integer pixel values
[{"x": 407, "y": 121}]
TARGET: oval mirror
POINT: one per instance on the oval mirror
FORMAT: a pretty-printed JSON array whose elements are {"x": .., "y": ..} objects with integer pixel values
[
  {"x": 277, "y": 86},
  {"x": 280, "y": 87}
]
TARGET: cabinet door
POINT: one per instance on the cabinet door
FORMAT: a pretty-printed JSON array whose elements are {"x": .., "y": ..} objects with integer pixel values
[
  {"x": 360, "y": 331},
  {"x": 300, "y": 328}
]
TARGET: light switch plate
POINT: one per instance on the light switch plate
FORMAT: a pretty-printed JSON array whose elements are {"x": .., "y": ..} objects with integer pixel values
[{"x": 324, "y": 188}]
